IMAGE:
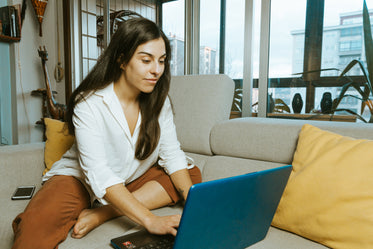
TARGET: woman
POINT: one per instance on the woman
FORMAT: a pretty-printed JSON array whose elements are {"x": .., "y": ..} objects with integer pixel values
[{"x": 123, "y": 123}]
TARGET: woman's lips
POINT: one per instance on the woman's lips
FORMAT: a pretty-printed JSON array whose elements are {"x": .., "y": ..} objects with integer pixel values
[{"x": 152, "y": 81}]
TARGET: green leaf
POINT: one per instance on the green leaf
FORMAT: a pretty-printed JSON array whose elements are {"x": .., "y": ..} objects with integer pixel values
[
  {"x": 362, "y": 67},
  {"x": 351, "y": 112},
  {"x": 368, "y": 43},
  {"x": 317, "y": 70},
  {"x": 369, "y": 103},
  {"x": 366, "y": 90},
  {"x": 353, "y": 96},
  {"x": 344, "y": 89},
  {"x": 348, "y": 67},
  {"x": 363, "y": 104},
  {"x": 281, "y": 106},
  {"x": 358, "y": 89},
  {"x": 367, "y": 86}
]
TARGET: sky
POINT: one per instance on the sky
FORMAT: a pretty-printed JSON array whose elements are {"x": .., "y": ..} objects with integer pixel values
[{"x": 286, "y": 16}]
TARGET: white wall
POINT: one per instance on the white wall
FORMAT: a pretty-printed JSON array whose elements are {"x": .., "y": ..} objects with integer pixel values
[{"x": 27, "y": 70}]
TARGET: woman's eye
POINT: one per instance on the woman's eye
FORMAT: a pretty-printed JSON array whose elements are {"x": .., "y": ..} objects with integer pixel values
[
  {"x": 161, "y": 62},
  {"x": 145, "y": 61}
]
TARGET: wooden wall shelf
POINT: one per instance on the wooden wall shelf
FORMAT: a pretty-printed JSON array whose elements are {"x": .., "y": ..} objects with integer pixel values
[
  {"x": 5, "y": 38},
  {"x": 11, "y": 21}
]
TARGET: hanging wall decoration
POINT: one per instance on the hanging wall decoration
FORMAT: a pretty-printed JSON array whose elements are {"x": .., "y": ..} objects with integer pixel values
[{"x": 39, "y": 7}]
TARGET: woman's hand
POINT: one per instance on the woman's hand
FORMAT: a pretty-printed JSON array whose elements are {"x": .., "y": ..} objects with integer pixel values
[
  {"x": 162, "y": 224},
  {"x": 128, "y": 205}
]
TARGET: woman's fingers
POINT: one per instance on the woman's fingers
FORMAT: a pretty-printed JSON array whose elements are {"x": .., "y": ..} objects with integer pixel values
[{"x": 163, "y": 224}]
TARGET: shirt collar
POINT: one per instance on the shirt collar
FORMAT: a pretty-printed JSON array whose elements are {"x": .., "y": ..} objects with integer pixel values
[
  {"x": 107, "y": 93},
  {"x": 111, "y": 100}
]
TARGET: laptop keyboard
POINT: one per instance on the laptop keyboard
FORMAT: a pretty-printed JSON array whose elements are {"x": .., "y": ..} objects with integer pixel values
[{"x": 161, "y": 244}]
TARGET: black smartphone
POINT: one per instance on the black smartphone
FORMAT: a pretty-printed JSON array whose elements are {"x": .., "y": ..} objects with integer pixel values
[{"x": 23, "y": 192}]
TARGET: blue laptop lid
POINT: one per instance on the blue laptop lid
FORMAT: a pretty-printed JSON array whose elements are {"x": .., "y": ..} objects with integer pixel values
[{"x": 233, "y": 212}]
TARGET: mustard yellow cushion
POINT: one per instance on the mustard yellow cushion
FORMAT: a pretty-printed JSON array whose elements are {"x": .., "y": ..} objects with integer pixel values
[
  {"x": 58, "y": 142},
  {"x": 329, "y": 195}
]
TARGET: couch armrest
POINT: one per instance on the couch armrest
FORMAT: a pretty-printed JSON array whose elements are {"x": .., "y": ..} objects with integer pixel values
[{"x": 21, "y": 165}]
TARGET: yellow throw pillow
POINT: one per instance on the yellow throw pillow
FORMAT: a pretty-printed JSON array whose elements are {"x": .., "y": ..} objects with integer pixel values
[
  {"x": 58, "y": 142},
  {"x": 329, "y": 195}
]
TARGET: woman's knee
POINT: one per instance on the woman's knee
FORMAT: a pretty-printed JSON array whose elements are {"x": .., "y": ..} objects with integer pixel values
[{"x": 52, "y": 211}]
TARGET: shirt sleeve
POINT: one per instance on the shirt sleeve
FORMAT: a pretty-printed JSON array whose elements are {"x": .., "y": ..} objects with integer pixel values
[
  {"x": 91, "y": 150},
  {"x": 172, "y": 158}
]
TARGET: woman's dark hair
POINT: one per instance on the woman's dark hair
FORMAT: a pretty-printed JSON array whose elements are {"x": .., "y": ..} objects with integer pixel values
[{"x": 123, "y": 44}]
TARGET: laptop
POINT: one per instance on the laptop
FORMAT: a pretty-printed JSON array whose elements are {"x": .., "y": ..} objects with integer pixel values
[{"x": 233, "y": 212}]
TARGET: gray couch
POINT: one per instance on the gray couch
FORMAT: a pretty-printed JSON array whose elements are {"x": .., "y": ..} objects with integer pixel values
[{"x": 220, "y": 147}]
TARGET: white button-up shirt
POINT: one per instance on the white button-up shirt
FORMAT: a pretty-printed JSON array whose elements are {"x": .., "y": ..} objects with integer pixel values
[{"x": 104, "y": 150}]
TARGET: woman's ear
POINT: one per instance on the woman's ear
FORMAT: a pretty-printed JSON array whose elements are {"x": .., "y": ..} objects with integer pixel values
[{"x": 120, "y": 61}]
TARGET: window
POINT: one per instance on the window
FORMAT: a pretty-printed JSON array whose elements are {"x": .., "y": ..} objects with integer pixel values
[
  {"x": 341, "y": 41},
  {"x": 351, "y": 31},
  {"x": 234, "y": 38},
  {"x": 209, "y": 37},
  {"x": 350, "y": 45},
  {"x": 89, "y": 36},
  {"x": 291, "y": 55},
  {"x": 92, "y": 33},
  {"x": 173, "y": 26},
  {"x": 344, "y": 46},
  {"x": 217, "y": 53},
  {"x": 356, "y": 45},
  {"x": 286, "y": 52}
]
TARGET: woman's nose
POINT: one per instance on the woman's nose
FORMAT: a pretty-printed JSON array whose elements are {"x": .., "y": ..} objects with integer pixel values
[{"x": 156, "y": 68}]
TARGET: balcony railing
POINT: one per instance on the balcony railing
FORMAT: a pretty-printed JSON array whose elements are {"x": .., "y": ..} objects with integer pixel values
[{"x": 298, "y": 82}]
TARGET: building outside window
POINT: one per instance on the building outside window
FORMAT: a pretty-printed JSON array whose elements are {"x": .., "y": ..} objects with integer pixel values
[
  {"x": 173, "y": 21},
  {"x": 209, "y": 49},
  {"x": 342, "y": 43}
]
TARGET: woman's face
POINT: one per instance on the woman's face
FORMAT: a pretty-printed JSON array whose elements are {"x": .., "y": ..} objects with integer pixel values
[{"x": 146, "y": 66}]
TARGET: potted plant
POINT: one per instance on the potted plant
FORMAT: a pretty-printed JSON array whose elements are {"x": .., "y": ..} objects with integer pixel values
[{"x": 365, "y": 91}]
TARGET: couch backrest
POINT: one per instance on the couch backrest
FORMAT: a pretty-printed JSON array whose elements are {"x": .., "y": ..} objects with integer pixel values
[
  {"x": 200, "y": 102},
  {"x": 271, "y": 139}
]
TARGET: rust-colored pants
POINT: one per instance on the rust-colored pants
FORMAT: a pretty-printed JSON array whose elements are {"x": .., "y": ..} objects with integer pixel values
[{"x": 55, "y": 208}]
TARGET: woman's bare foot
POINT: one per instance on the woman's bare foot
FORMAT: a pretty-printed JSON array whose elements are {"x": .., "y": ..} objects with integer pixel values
[{"x": 88, "y": 220}]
